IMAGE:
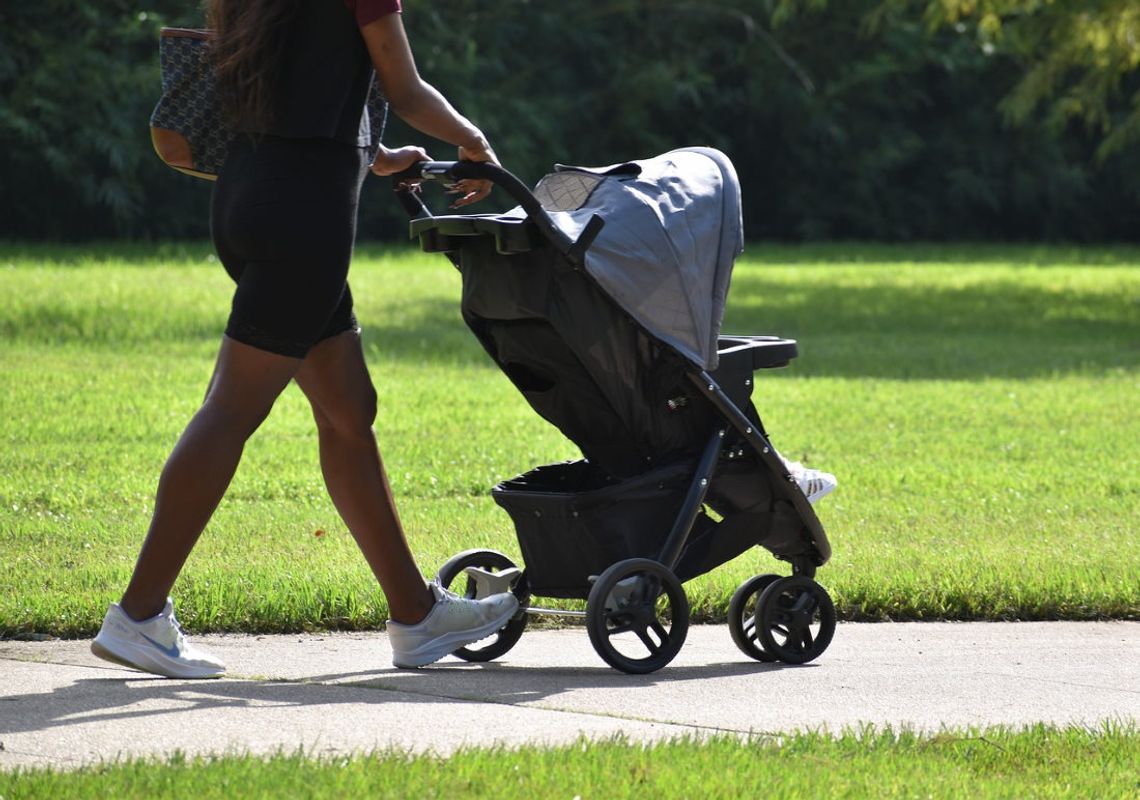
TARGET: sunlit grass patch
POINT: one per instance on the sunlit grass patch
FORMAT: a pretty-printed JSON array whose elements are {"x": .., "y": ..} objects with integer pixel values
[
  {"x": 977, "y": 405},
  {"x": 1039, "y": 762}
]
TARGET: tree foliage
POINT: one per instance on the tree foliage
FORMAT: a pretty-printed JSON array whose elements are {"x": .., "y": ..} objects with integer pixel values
[
  {"x": 839, "y": 128},
  {"x": 1077, "y": 58},
  {"x": 77, "y": 82},
  {"x": 887, "y": 119}
]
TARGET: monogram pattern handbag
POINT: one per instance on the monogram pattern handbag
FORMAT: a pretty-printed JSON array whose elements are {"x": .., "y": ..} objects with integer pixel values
[{"x": 187, "y": 126}]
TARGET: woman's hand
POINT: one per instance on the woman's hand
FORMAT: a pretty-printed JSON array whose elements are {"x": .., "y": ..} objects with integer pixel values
[
  {"x": 389, "y": 162},
  {"x": 472, "y": 191},
  {"x": 421, "y": 105}
]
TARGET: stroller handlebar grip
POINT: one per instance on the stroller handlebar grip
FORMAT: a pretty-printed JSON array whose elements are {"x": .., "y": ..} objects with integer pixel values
[
  {"x": 486, "y": 171},
  {"x": 452, "y": 171}
]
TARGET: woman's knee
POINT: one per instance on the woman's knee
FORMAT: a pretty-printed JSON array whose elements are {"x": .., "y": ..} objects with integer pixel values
[
  {"x": 348, "y": 415},
  {"x": 239, "y": 417}
]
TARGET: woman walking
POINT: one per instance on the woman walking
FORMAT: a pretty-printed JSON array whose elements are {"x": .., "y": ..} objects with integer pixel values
[{"x": 295, "y": 75}]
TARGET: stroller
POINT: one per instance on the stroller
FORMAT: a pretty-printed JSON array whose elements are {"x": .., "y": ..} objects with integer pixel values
[{"x": 600, "y": 297}]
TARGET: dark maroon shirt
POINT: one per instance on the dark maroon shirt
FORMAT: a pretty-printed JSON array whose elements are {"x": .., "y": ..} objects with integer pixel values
[{"x": 371, "y": 10}]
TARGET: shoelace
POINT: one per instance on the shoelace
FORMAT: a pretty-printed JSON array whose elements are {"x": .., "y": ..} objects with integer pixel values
[{"x": 447, "y": 600}]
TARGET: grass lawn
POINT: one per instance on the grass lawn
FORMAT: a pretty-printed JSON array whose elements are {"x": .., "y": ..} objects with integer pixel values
[
  {"x": 1040, "y": 762},
  {"x": 978, "y": 404}
]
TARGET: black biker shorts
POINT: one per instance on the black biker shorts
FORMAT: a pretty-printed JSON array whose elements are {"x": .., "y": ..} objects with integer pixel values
[{"x": 283, "y": 221}]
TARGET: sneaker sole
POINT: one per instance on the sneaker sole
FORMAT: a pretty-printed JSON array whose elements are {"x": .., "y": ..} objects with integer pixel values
[
  {"x": 447, "y": 644},
  {"x": 152, "y": 666}
]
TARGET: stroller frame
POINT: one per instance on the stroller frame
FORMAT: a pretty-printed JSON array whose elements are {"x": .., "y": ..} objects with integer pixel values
[{"x": 771, "y": 618}]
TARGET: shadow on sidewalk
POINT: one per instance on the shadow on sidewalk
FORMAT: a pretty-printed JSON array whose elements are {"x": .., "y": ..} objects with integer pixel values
[{"x": 100, "y": 700}]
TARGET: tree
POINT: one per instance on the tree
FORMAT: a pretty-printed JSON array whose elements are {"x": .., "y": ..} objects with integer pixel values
[
  {"x": 77, "y": 83},
  {"x": 1079, "y": 58},
  {"x": 893, "y": 134}
]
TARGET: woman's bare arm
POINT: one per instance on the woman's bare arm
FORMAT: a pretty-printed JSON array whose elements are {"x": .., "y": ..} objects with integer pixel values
[{"x": 420, "y": 104}]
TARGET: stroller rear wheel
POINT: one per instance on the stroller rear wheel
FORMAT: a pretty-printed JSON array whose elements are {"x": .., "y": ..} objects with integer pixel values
[
  {"x": 742, "y": 616},
  {"x": 795, "y": 619},
  {"x": 478, "y": 573},
  {"x": 637, "y": 615}
]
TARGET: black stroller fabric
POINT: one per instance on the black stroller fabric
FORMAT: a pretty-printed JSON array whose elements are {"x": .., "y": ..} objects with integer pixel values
[
  {"x": 573, "y": 521},
  {"x": 581, "y": 362},
  {"x": 590, "y": 355}
]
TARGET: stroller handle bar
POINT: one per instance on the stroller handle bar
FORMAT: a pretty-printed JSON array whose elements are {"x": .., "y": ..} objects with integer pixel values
[{"x": 451, "y": 171}]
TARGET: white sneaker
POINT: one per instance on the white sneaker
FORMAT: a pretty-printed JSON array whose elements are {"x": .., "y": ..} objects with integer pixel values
[
  {"x": 453, "y": 622},
  {"x": 815, "y": 484},
  {"x": 154, "y": 645}
]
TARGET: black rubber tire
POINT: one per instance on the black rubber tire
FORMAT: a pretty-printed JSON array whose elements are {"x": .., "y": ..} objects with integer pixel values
[
  {"x": 507, "y": 636},
  {"x": 785, "y": 615},
  {"x": 742, "y": 617},
  {"x": 640, "y": 616}
]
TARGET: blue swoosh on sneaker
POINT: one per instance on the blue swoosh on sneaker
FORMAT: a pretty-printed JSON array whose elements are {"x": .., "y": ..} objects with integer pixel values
[{"x": 171, "y": 651}]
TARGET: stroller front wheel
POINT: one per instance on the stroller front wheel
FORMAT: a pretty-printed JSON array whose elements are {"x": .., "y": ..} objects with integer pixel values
[
  {"x": 795, "y": 619},
  {"x": 478, "y": 573},
  {"x": 637, "y": 615}
]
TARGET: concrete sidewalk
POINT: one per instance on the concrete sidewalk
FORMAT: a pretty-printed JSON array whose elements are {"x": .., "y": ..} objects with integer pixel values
[{"x": 336, "y": 693}]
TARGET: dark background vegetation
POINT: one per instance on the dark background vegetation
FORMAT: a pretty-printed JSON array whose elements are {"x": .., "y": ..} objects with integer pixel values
[{"x": 849, "y": 119}]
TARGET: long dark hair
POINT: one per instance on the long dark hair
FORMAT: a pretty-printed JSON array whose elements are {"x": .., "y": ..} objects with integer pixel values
[{"x": 248, "y": 44}]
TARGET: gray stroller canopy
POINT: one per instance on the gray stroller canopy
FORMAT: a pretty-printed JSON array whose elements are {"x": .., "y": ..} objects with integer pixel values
[{"x": 673, "y": 230}]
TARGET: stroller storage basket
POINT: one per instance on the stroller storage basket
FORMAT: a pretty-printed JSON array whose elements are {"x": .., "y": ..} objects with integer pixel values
[{"x": 573, "y": 522}]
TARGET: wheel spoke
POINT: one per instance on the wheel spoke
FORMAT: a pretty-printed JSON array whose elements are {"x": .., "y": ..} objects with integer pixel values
[
  {"x": 750, "y": 631},
  {"x": 806, "y": 639},
  {"x": 804, "y": 603},
  {"x": 621, "y": 623},
  {"x": 781, "y": 616},
  {"x": 650, "y": 589},
  {"x": 796, "y": 629},
  {"x": 653, "y": 647}
]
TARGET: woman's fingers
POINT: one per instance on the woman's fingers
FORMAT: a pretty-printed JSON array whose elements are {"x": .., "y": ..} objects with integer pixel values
[
  {"x": 472, "y": 191},
  {"x": 469, "y": 191}
]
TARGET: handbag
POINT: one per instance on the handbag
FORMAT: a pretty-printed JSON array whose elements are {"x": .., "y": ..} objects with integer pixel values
[{"x": 188, "y": 127}]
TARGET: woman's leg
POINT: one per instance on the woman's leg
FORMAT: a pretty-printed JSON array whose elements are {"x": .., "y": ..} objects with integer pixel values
[
  {"x": 245, "y": 384},
  {"x": 335, "y": 379}
]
